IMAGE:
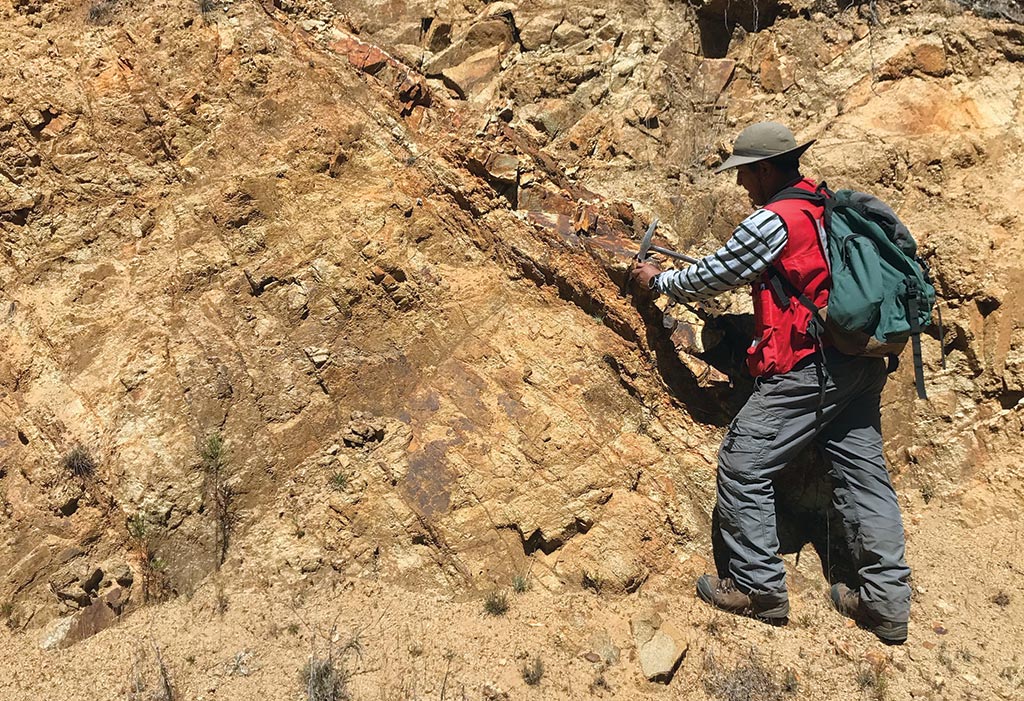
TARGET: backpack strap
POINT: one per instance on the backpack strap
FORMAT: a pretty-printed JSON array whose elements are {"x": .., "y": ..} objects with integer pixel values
[
  {"x": 784, "y": 289},
  {"x": 915, "y": 337}
]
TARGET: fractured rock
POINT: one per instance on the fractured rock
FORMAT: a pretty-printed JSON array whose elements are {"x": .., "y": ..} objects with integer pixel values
[
  {"x": 714, "y": 74},
  {"x": 537, "y": 32},
  {"x": 363, "y": 429},
  {"x": 660, "y": 647},
  {"x": 927, "y": 56},
  {"x": 490, "y": 37},
  {"x": 475, "y": 71}
]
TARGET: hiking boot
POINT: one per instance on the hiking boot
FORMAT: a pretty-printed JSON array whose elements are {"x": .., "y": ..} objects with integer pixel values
[
  {"x": 848, "y": 603},
  {"x": 723, "y": 594}
]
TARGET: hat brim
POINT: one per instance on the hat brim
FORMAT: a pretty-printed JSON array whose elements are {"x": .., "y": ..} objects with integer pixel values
[{"x": 735, "y": 160}]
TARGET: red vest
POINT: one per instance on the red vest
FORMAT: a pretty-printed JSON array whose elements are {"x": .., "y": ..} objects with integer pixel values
[{"x": 780, "y": 334}]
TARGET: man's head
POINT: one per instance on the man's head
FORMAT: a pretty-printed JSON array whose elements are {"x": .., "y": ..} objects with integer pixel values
[{"x": 766, "y": 158}]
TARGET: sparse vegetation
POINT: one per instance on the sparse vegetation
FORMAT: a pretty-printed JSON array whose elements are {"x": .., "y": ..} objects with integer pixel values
[
  {"x": 1001, "y": 599},
  {"x": 340, "y": 481},
  {"x": 79, "y": 463},
  {"x": 790, "y": 682},
  {"x": 804, "y": 620},
  {"x": 137, "y": 527},
  {"x": 100, "y": 12},
  {"x": 533, "y": 671},
  {"x": 207, "y": 6},
  {"x": 155, "y": 583},
  {"x": 943, "y": 656},
  {"x": 966, "y": 655},
  {"x": 749, "y": 679},
  {"x": 520, "y": 584},
  {"x": 716, "y": 625},
  {"x": 150, "y": 679},
  {"x": 324, "y": 680},
  {"x": 593, "y": 581},
  {"x": 928, "y": 492},
  {"x": 219, "y": 493},
  {"x": 325, "y": 677},
  {"x": 7, "y": 613},
  {"x": 1009, "y": 10},
  {"x": 496, "y": 603},
  {"x": 874, "y": 680}
]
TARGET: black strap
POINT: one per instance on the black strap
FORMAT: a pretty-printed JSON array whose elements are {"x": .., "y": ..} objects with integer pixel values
[
  {"x": 942, "y": 337},
  {"x": 915, "y": 338},
  {"x": 892, "y": 364}
]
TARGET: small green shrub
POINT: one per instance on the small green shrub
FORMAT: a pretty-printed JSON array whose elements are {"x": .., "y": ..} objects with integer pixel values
[
  {"x": 218, "y": 492},
  {"x": 137, "y": 528},
  {"x": 790, "y": 682},
  {"x": 873, "y": 680},
  {"x": 520, "y": 584},
  {"x": 496, "y": 603},
  {"x": 533, "y": 671},
  {"x": 340, "y": 481},
  {"x": 101, "y": 12}
]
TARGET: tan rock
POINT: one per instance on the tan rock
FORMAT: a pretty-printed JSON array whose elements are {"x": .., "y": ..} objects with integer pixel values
[
  {"x": 538, "y": 31},
  {"x": 660, "y": 647},
  {"x": 474, "y": 72},
  {"x": 713, "y": 74},
  {"x": 778, "y": 73}
]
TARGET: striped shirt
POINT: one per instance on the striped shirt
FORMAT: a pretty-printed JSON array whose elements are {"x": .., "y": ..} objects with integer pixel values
[{"x": 756, "y": 242}]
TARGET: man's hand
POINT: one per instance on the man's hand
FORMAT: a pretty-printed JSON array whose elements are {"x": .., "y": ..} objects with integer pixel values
[{"x": 642, "y": 273}]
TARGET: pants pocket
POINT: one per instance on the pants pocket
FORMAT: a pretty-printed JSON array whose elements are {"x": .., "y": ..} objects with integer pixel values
[{"x": 750, "y": 436}]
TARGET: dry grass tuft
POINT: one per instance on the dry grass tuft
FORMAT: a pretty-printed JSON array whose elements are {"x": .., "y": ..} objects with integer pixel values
[
  {"x": 750, "y": 679},
  {"x": 79, "y": 463}
]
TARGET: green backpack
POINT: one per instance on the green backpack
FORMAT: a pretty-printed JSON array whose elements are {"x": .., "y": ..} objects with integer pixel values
[{"x": 881, "y": 294}]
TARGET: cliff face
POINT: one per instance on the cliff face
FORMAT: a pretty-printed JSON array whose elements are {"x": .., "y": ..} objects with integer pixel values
[{"x": 317, "y": 326}]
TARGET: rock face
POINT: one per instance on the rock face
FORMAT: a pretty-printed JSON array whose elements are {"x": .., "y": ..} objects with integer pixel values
[{"x": 380, "y": 252}]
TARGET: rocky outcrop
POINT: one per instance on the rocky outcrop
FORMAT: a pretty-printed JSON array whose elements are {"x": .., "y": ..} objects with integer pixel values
[{"x": 382, "y": 253}]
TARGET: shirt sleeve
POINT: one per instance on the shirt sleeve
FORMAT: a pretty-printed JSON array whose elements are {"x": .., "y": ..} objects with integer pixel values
[{"x": 756, "y": 242}]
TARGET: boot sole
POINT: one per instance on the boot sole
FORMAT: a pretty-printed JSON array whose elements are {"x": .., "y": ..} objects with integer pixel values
[{"x": 777, "y": 615}]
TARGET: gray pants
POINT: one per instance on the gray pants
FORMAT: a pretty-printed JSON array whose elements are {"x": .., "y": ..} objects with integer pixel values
[{"x": 783, "y": 415}]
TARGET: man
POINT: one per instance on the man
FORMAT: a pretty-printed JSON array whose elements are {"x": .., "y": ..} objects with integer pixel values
[{"x": 804, "y": 391}]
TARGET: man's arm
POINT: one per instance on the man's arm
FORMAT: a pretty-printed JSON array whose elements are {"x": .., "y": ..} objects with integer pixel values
[{"x": 756, "y": 242}]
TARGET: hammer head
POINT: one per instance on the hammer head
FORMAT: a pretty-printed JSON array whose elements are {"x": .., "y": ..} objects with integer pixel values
[{"x": 645, "y": 244}]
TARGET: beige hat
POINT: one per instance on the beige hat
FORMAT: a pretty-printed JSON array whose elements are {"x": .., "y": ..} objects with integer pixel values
[{"x": 760, "y": 142}]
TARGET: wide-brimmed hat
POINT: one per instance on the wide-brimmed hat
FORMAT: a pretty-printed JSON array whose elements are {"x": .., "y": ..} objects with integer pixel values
[{"x": 760, "y": 142}]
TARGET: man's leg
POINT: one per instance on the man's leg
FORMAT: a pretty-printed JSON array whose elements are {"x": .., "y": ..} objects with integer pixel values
[
  {"x": 777, "y": 422},
  {"x": 867, "y": 502}
]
